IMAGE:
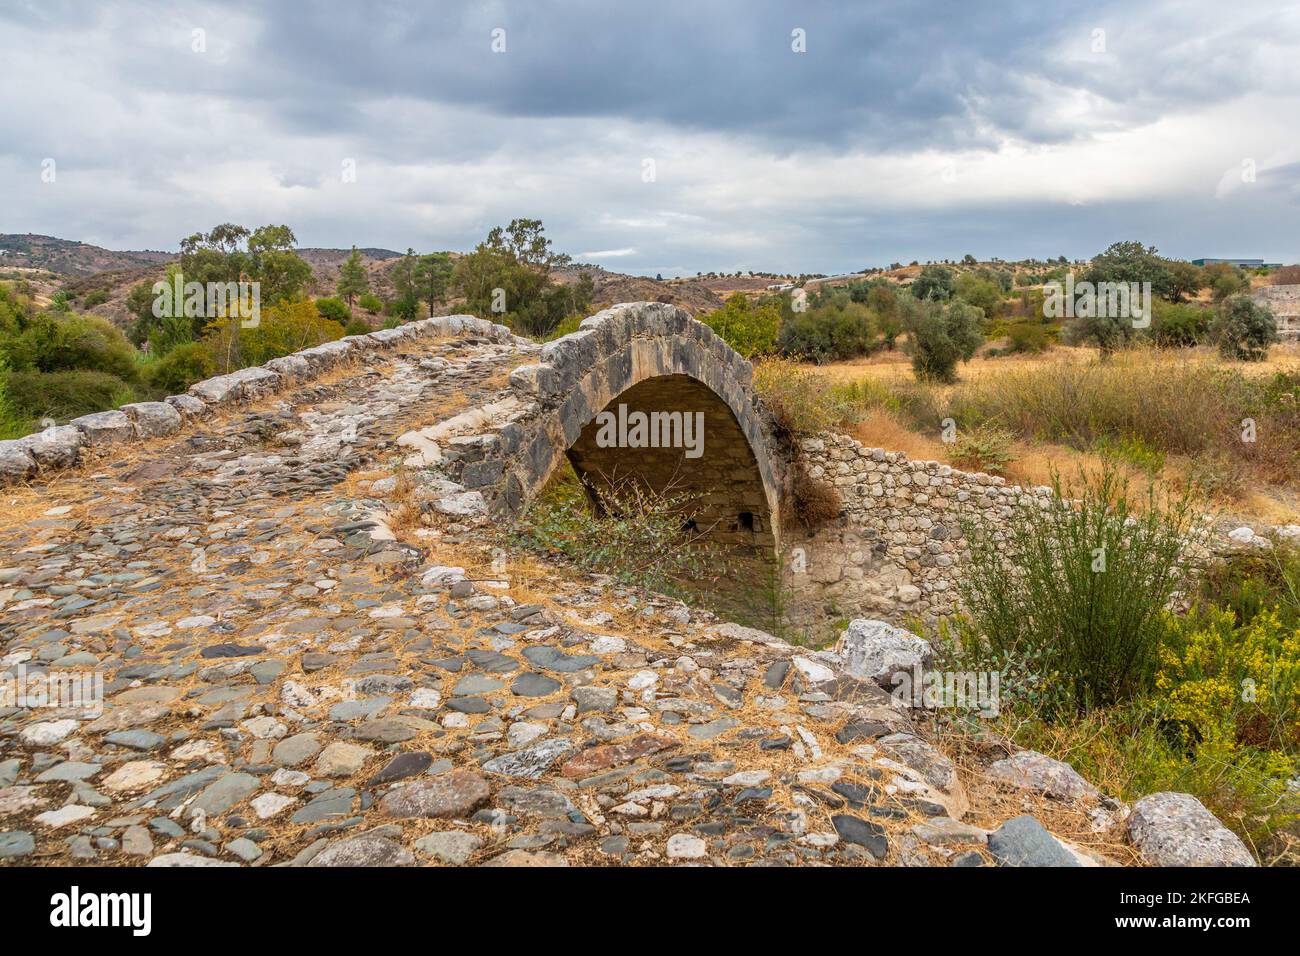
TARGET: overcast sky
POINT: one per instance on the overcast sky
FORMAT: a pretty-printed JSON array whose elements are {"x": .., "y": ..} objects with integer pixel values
[{"x": 663, "y": 136}]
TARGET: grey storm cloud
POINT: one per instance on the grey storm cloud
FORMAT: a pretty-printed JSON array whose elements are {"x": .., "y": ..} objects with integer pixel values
[
  {"x": 1065, "y": 125},
  {"x": 891, "y": 75}
]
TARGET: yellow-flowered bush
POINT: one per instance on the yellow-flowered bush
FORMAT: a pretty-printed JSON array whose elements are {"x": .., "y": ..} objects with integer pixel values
[
  {"x": 1232, "y": 685},
  {"x": 281, "y": 329},
  {"x": 1221, "y": 722}
]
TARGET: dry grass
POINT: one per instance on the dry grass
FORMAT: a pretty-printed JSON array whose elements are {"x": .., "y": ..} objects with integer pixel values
[
  {"x": 1034, "y": 464},
  {"x": 403, "y": 510},
  {"x": 1181, "y": 409},
  {"x": 897, "y": 365}
]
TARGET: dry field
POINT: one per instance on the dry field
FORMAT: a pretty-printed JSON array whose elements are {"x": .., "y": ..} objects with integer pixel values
[{"x": 1275, "y": 501}]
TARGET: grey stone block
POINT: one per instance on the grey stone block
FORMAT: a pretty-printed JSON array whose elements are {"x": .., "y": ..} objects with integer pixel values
[
  {"x": 236, "y": 386},
  {"x": 15, "y": 463},
  {"x": 187, "y": 405},
  {"x": 104, "y": 428},
  {"x": 56, "y": 447},
  {"x": 153, "y": 418}
]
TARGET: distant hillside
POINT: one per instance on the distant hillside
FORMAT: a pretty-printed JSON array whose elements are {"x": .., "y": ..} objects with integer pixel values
[
  {"x": 613, "y": 287},
  {"x": 70, "y": 258},
  {"x": 335, "y": 256}
]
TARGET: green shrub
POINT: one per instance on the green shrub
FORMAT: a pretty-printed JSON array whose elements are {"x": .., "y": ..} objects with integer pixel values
[
  {"x": 334, "y": 309},
  {"x": 1107, "y": 333},
  {"x": 16, "y": 309},
  {"x": 1238, "y": 683},
  {"x": 635, "y": 535},
  {"x": 865, "y": 393},
  {"x": 985, "y": 294},
  {"x": 1250, "y": 584},
  {"x": 749, "y": 328},
  {"x": 1244, "y": 329},
  {"x": 1031, "y": 337},
  {"x": 1131, "y": 450},
  {"x": 830, "y": 333},
  {"x": 1081, "y": 586},
  {"x": 13, "y": 424},
  {"x": 1225, "y": 280},
  {"x": 982, "y": 449},
  {"x": 1027, "y": 305},
  {"x": 283, "y": 328},
  {"x": 64, "y": 342},
  {"x": 98, "y": 297},
  {"x": 371, "y": 303},
  {"x": 169, "y": 332},
  {"x": 882, "y": 300},
  {"x": 935, "y": 282},
  {"x": 939, "y": 336},
  {"x": 66, "y": 394},
  {"x": 567, "y": 325},
  {"x": 1179, "y": 325},
  {"x": 800, "y": 400},
  {"x": 357, "y": 326},
  {"x": 180, "y": 368}
]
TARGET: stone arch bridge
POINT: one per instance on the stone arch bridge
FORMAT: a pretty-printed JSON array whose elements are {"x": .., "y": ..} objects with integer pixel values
[{"x": 891, "y": 551}]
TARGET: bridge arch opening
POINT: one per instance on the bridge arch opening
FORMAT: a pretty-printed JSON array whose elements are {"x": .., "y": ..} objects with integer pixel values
[
  {"x": 674, "y": 437},
  {"x": 641, "y": 394}
]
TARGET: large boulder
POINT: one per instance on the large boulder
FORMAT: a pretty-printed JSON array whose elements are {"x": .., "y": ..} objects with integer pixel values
[
  {"x": 15, "y": 462},
  {"x": 922, "y": 772},
  {"x": 876, "y": 650},
  {"x": 187, "y": 405},
  {"x": 1023, "y": 841},
  {"x": 291, "y": 368},
  {"x": 1175, "y": 829},
  {"x": 246, "y": 383},
  {"x": 1030, "y": 770}
]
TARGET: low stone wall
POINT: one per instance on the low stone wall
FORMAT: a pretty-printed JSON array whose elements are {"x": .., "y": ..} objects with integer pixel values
[
  {"x": 1284, "y": 301},
  {"x": 62, "y": 446},
  {"x": 896, "y": 548}
]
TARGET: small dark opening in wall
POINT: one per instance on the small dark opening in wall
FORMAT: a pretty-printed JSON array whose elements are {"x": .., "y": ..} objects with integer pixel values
[
  {"x": 746, "y": 519},
  {"x": 690, "y": 525}
]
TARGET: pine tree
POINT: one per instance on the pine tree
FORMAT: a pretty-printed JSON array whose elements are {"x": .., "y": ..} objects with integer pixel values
[
  {"x": 431, "y": 275},
  {"x": 353, "y": 278}
]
